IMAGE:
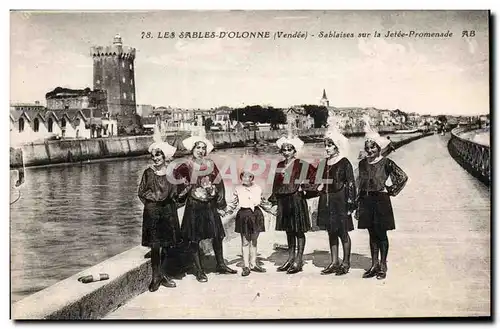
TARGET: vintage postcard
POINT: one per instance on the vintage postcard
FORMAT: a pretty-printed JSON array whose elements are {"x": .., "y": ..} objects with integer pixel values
[{"x": 250, "y": 164}]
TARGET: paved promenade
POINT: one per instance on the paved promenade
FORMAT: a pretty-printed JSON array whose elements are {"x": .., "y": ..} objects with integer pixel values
[{"x": 439, "y": 260}]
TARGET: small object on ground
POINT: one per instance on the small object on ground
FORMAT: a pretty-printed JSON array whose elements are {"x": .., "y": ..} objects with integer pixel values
[
  {"x": 278, "y": 246},
  {"x": 93, "y": 278}
]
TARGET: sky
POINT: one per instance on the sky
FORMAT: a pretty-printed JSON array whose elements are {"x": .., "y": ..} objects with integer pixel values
[{"x": 423, "y": 75}]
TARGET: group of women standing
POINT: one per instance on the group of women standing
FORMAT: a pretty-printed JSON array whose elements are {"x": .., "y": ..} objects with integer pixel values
[{"x": 203, "y": 193}]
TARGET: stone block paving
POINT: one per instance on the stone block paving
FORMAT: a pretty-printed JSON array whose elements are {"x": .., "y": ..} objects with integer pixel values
[{"x": 439, "y": 261}]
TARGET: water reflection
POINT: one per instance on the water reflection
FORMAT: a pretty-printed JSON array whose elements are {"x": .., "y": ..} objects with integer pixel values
[{"x": 72, "y": 217}]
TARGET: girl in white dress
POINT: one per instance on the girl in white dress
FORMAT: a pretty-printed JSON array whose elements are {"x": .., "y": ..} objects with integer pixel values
[{"x": 249, "y": 219}]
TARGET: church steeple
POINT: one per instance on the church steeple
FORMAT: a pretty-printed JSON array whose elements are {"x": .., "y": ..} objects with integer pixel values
[{"x": 324, "y": 100}]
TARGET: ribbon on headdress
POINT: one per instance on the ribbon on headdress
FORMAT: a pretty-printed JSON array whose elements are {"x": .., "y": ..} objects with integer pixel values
[{"x": 158, "y": 144}]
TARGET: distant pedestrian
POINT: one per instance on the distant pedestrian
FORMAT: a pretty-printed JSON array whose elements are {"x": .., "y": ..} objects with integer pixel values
[
  {"x": 249, "y": 219},
  {"x": 160, "y": 225},
  {"x": 374, "y": 205},
  {"x": 390, "y": 147}
]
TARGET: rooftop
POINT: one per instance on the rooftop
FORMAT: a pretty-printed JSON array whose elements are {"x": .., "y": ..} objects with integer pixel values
[{"x": 60, "y": 92}]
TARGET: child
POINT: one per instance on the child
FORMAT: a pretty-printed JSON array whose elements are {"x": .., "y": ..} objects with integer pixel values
[{"x": 249, "y": 219}]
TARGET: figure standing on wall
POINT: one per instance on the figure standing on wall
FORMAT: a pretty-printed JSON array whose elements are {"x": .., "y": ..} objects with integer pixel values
[
  {"x": 390, "y": 146},
  {"x": 17, "y": 164},
  {"x": 292, "y": 180},
  {"x": 205, "y": 200},
  {"x": 160, "y": 228},
  {"x": 374, "y": 205},
  {"x": 337, "y": 199}
]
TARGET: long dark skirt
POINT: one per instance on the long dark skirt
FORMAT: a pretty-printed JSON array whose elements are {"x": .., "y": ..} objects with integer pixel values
[
  {"x": 201, "y": 221},
  {"x": 293, "y": 213},
  {"x": 332, "y": 213},
  {"x": 375, "y": 211},
  {"x": 160, "y": 225},
  {"x": 249, "y": 222}
]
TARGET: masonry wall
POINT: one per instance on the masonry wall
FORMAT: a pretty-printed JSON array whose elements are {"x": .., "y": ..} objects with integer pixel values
[{"x": 68, "y": 151}]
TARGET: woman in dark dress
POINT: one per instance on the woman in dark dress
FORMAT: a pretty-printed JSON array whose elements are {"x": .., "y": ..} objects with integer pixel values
[
  {"x": 206, "y": 197},
  {"x": 337, "y": 200},
  {"x": 160, "y": 226},
  {"x": 293, "y": 178},
  {"x": 374, "y": 204}
]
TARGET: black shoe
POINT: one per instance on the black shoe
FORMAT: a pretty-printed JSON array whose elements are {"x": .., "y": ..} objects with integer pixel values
[
  {"x": 258, "y": 269},
  {"x": 286, "y": 266},
  {"x": 332, "y": 268},
  {"x": 224, "y": 269},
  {"x": 296, "y": 268},
  {"x": 246, "y": 271},
  {"x": 201, "y": 276},
  {"x": 148, "y": 254},
  {"x": 382, "y": 273},
  {"x": 371, "y": 272},
  {"x": 155, "y": 284},
  {"x": 343, "y": 269},
  {"x": 168, "y": 282}
]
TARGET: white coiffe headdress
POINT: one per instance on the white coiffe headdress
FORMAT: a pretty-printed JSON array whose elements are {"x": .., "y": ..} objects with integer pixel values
[
  {"x": 372, "y": 135},
  {"x": 198, "y": 135},
  {"x": 296, "y": 142},
  {"x": 333, "y": 132},
  {"x": 158, "y": 144}
]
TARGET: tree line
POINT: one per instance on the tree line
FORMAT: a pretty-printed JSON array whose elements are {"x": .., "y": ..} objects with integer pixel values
[{"x": 277, "y": 116}]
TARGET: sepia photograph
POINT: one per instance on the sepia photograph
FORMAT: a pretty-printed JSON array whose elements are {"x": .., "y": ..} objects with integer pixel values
[{"x": 250, "y": 164}]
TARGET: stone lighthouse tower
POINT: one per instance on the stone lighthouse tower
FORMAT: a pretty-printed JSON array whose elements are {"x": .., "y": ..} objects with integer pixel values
[{"x": 114, "y": 73}]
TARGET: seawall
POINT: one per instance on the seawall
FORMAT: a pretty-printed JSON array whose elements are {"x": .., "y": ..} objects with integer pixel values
[
  {"x": 83, "y": 150},
  {"x": 474, "y": 157},
  {"x": 129, "y": 274}
]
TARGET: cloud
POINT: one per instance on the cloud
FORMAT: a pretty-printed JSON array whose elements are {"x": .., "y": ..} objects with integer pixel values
[
  {"x": 41, "y": 53},
  {"x": 32, "y": 50},
  {"x": 206, "y": 54}
]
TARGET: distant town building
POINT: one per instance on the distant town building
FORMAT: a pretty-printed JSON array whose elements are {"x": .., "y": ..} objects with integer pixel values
[
  {"x": 163, "y": 117},
  {"x": 413, "y": 118},
  {"x": 222, "y": 114},
  {"x": 222, "y": 118},
  {"x": 27, "y": 106},
  {"x": 149, "y": 123},
  {"x": 114, "y": 73},
  {"x": 76, "y": 99},
  {"x": 29, "y": 126},
  {"x": 179, "y": 115},
  {"x": 204, "y": 114},
  {"x": 297, "y": 118},
  {"x": 144, "y": 110}
]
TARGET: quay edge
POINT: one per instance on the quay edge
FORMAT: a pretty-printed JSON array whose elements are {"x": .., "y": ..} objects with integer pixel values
[{"x": 90, "y": 150}]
